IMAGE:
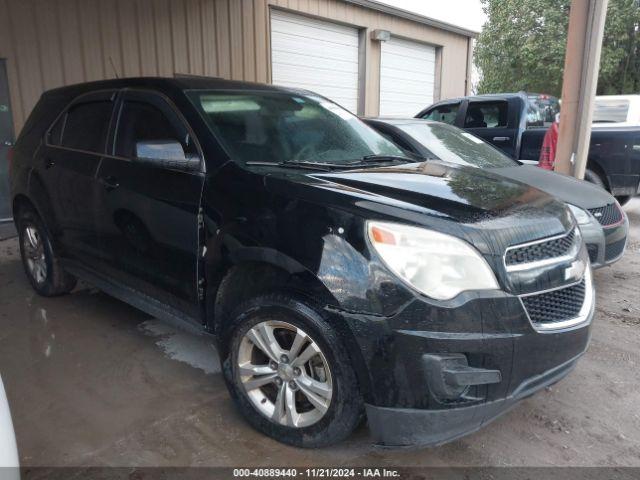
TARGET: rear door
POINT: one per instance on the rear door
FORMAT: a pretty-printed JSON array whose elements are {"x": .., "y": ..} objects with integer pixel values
[
  {"x": 147, "y": 214},
  {"x": 68, "y": 163},
  {"x": 495, "y": 121}
]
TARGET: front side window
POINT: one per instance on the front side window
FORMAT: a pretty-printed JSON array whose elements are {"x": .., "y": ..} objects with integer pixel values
[
  {"x": 454, "y": 145},
  {"x": 141, "y": 121},
  {"x": 444, "y": 113},
  {"x": 610, "y": 111},
  {"x": 486, "y": 115},
  {"x": 282, "y": 127},
  {"x": 84, "y": 127}
]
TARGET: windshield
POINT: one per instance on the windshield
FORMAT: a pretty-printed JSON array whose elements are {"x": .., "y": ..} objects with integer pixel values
[
  {"x": 282, "y": 127},
  {"x": 610, "y": 111},
  {"x": 457, "y": 146}
]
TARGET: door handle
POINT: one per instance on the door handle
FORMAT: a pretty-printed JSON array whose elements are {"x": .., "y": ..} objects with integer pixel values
[
  {"x": 48, "y": 163},
  {"x": 501, "y": 139},
  {"x": 109, "y": 183}
]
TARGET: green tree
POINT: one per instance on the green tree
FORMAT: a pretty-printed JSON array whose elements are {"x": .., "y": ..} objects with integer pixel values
[{"x": 522, "y": 47}]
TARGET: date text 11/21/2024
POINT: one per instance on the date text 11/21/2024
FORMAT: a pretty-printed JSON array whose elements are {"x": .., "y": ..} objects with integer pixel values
[{"x": 308, "y": 473}]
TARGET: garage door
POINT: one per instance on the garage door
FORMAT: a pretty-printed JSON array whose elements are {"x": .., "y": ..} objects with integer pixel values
[
  {"x": 315, "y": 55},
  {"x": 407, "y": 77}
]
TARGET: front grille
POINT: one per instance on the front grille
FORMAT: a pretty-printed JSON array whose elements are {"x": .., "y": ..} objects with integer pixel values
[
  {"x": 607, "y": 215},
  {"x": 592, "y": 248},
  {"x": 556, "y": 305},
  {"x": 614, "y": 250},
  {"x": 542, "y": 250}
]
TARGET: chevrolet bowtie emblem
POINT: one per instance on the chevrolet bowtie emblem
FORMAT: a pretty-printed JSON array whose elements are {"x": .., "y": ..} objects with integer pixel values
[{"x": 575, "y": 271}]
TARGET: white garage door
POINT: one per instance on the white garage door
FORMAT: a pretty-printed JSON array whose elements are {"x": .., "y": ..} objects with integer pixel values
[
  {"x": 315, "y": 55},
  {"x": 407, "y": 77}
]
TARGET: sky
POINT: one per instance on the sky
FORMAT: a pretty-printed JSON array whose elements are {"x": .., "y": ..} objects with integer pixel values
[{"x": 464, "y": 13}]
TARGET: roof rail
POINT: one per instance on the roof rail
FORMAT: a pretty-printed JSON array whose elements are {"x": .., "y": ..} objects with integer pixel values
[{"x": 189, "y": 75}]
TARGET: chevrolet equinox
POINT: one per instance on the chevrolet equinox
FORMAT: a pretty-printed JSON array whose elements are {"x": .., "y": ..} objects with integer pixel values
[{"x": 340, "y": 278}]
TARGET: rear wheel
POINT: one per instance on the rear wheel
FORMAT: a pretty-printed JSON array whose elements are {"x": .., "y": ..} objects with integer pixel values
[
  {"x": 41, "y": 265},
  {"x": 289, "y": 374}
]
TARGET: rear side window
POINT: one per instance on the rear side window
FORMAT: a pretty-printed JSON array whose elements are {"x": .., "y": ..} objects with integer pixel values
[
  {"x": 486, "y": 115},
  {"x": 83, "y": 127},
  {"x": 141, "y": 121},
  {"x": 542, "y": 110},
  {"x": 444, "y": 113}
]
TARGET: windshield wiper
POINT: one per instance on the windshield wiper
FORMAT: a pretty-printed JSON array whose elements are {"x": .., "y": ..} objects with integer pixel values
[
  {"x": 385, "y": 159},
  {"x": 324, "y": 167},
  {"x": 370, "y": 160},
  {"x": 366, "y": 161}
]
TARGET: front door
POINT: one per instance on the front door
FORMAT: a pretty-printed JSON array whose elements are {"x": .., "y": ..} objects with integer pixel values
[
  {"x": 492, "y": 121},
  {"x": 6, "y": 142},
  {"x": 148, "y": 212}
]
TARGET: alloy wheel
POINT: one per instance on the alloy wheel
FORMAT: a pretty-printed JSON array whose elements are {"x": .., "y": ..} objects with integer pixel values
[
  {"x": 35, "y": 254},
  {"x": 285, "y": 374}
]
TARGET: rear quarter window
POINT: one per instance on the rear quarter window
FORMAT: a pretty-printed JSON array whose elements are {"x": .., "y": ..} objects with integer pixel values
[{"x": 39, "y": 121}]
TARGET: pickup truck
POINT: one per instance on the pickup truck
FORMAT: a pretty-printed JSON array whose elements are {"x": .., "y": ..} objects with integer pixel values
[{"x": 516, "y": 124}]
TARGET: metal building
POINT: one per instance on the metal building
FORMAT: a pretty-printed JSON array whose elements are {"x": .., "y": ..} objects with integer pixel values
[{"x": 371, "y": 58}]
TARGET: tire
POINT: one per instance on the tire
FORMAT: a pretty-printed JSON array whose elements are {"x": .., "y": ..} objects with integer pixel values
[
  {"x": 593, "y": 177},
  {"x": 41, "y": 265},
  {"x": 309, "y": 426},
  {"x": 624, "y": 199}
]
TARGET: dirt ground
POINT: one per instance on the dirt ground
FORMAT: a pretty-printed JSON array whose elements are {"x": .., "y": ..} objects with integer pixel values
[{"x": 94, "y": 382}]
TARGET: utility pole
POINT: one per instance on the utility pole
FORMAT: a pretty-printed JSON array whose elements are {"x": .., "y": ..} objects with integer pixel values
[{"x": 581, "y": 66}]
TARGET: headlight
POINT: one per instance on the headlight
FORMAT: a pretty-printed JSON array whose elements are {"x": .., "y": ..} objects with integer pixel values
[
  {"x": 582, "y": 216},
  {"x": 438, "y": 265}
]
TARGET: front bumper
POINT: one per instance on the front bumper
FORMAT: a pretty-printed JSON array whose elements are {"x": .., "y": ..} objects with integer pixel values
[
  {"x": 402, "y": 427},
  {"x": 605, "y": 245},
  {"x": 512, "y": 356}
]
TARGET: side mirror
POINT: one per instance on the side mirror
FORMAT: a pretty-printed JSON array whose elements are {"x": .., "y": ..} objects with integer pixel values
[{"x": 166, "y": 154}]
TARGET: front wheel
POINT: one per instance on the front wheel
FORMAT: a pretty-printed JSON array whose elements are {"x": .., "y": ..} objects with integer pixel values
[
  {"x": 289, "y": 374},
  {"x": 593, "y": 177}
]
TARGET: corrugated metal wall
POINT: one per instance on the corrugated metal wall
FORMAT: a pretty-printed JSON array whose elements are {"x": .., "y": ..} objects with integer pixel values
[{"x": 49, "y": 43}]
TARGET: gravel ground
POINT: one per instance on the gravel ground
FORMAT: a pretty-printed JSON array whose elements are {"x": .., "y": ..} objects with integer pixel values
[{"x": 94, "y": 382}]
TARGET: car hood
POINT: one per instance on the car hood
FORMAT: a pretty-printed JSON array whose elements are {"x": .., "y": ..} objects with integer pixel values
[
  {"x": 464, "y": 201},
  {"x": 563, "y": 187}
]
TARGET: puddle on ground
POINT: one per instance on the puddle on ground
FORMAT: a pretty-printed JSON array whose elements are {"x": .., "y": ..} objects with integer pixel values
[{"x": 193, "y": 348}]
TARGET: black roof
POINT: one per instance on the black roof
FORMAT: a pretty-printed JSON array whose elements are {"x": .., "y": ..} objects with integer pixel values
[
  {"x": 166, "y": 84},
  {"x": 485, "y": 96}
]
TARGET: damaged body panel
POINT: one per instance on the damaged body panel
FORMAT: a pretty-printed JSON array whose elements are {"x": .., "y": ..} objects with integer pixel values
[{"x": 282, "y": 241}]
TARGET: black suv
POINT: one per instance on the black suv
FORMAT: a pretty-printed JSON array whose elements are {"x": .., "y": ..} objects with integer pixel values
[{"x": 338, "y": 276}]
